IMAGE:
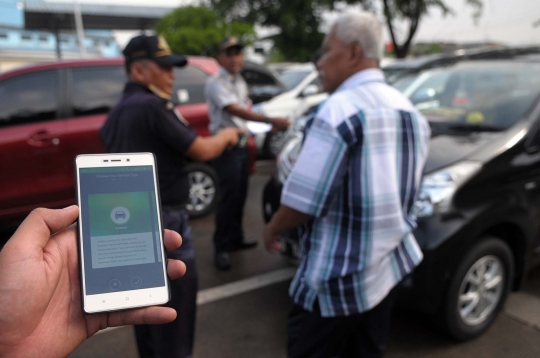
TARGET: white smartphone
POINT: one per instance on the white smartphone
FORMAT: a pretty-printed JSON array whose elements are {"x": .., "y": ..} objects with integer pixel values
[{"x": 121, "y": 252}]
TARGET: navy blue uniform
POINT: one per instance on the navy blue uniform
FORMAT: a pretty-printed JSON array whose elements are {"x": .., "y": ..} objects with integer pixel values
[{"x": 145, "y": 122}]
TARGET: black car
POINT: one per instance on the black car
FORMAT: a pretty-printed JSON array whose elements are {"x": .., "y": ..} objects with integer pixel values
[{"x": 479, "y": 205}]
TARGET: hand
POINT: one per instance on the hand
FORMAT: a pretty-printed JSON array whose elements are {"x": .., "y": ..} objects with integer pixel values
[
  {"x": 279, "y": 123},
  {"x": 271, "y": 241},
  {"x": 40, "y": 300},
  {"x": 232, "y": 135}
]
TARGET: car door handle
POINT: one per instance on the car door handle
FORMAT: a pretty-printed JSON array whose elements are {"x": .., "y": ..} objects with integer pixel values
[{"x": 43, "y": 138}]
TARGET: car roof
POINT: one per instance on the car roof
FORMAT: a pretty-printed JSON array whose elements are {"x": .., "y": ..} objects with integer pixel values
[
  {"x": 206, "y": 64},
  {"x": 412, "y": 66},
  {"x": 480, "y": 64}
]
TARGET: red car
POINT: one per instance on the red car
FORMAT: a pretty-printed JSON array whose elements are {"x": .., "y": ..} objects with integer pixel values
[{"x": 52, "y": 112}]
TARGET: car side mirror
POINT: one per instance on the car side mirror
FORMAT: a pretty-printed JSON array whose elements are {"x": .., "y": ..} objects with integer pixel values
[
  {"x": 423, "y": 95},
  {"x": 310, "y": 90}
]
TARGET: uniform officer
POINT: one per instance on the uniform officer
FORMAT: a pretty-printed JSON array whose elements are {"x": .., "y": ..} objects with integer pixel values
[
  {"x": 228, "y": 101},
  {"x": 144, "y": 120}
]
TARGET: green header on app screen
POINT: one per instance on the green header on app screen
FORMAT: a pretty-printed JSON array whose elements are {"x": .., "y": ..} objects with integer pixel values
[
  {"x": 120, "y": 213},
  {"x": 140, "y": 168}
]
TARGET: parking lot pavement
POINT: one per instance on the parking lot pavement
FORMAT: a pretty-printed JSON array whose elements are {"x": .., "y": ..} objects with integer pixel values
[{"x": 242, "y": 312}]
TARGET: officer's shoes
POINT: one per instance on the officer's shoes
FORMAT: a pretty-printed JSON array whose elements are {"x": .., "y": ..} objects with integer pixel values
[{"x": 223, "y": 261}]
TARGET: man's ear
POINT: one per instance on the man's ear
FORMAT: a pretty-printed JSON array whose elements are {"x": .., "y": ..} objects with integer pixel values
[
  {"x": 356, "y": 52},
  {"x": 137, "y": 71}
]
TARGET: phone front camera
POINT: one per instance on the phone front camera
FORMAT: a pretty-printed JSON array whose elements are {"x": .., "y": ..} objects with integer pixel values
[{"x": 127, "y": 159}]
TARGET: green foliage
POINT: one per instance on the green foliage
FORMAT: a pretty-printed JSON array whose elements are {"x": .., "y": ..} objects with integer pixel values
[
  {"x": 275, "y": 56},
  {"x": 299, "y": 19},
  {"x": 196, "y": 30},
  {"x": 427, "y": 49}
]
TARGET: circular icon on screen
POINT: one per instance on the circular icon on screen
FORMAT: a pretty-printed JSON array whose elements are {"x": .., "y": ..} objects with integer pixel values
[{"x": 120, "y": 215}]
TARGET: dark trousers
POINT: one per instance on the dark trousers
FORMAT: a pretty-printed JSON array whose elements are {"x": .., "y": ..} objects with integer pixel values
[
  {"x": 174, "y": 339},
  {"x": 232, "y": 168},
  {"x": 357, "y": 336}
]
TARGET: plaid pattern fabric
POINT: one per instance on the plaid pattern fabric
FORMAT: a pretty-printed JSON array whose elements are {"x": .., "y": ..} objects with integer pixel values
[{"x": 358, "y": 174}]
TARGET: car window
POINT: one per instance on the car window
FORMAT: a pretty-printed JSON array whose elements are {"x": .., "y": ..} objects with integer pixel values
[
  {"x": 96, "y": 89},
  {"x": 403, "y": 83},
  {"x": 254, "y": 78},
  {"x": 29, "y": 98},
  {"x": 317, "y": 82},
  {"x": 292, "y": 78},
  {"x": 189, "y": 85},
  {"x": 492, "y": 94}
]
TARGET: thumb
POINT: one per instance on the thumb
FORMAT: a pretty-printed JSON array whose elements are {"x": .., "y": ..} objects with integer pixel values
[{"x": 38, "y": 227}]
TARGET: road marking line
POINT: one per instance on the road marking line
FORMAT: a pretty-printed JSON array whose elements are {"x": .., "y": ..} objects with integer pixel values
[
  {"x": 524, "y": 308},
  {"x": 243, "y": 286},
  {"x": 236, "y": 288}
]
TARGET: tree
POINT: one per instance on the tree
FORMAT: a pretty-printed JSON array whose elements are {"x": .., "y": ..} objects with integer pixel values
[
  {"x": 411, "y": 12},
  {"x": 196, "y": 30},
  {"x": 299, "y": 20}
]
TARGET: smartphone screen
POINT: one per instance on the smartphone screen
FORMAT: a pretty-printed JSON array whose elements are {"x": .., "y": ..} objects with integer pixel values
[{"x": 120, "y": 229}]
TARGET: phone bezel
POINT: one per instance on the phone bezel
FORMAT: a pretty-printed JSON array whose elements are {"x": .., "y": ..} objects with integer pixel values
[{"x": 114, "y": 301}]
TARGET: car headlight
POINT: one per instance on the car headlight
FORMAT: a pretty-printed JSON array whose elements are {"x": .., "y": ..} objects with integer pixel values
[
  {"x": 287, "y": 157},
  {"x": 438, "y": 188}
]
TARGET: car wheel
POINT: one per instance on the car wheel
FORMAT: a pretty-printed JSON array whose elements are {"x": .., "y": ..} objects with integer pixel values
[
  {"x": 478, "y": 289},
  {"x": 203, "y": 189},
  {"x": 274, "y": 142}
]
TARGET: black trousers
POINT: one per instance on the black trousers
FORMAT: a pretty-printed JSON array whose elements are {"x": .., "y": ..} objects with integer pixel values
[
  {"x": 357, "y": 336},
  {"x": 232, "y": 168},
  {"x": 174, "y": 339}
]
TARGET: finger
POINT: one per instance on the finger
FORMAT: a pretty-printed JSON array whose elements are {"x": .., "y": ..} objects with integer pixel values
[
  {"x": 41, "y": 223},
  {"x": 172, "y": 240},
  {"x": 148, "y": 315},
  {"x": 176, "y": 269}
]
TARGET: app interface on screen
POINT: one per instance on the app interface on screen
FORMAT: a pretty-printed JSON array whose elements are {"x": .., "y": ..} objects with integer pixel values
[{"x": 122, "y": 248}]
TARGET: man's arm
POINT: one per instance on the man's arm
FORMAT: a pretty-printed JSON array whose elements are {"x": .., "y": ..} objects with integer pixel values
[
  {"x": 205, "y": 148},
  {"x": 284, "y": 219},
  {"x": 236, "y": 110}
]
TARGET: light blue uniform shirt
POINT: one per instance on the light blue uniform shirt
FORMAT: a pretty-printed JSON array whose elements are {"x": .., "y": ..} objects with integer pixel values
[{"x": 222, "y": 90}]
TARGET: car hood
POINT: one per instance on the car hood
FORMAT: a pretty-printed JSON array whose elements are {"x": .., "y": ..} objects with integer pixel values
[{"x": 448, "y": 148}]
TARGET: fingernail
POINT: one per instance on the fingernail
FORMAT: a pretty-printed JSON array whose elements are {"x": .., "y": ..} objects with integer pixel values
[{"x": 69, "y": 207}]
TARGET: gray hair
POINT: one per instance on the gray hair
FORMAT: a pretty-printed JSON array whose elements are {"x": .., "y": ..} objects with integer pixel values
[{"x": 361, "y": 28}]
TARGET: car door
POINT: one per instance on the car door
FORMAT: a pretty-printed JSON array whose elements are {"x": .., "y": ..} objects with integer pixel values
[
  {"x": 32, "y": 144},
  {"x": 92, "y": 92},
  {"x": 530, "y": 160}
]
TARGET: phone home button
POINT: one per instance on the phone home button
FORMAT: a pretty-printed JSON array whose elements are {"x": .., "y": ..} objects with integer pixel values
[
  {"x": 115, "y": 284},
  {"x": 127, "y": 298}
]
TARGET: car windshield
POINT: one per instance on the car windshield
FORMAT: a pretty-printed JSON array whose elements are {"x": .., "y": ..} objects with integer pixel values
[
  {"x": 292, "y": 78},
  {"x": 474, "y": 95}
]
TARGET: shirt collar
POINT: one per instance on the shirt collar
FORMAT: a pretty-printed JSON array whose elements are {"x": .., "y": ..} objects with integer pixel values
[
  {"x": 133, "y": 87},
  {"x": 361, "y": 77},
  {"x": 223, "y": 72}
]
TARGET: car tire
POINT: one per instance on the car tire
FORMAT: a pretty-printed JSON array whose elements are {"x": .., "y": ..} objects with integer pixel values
[
  {"x": 478, "y": 289},
  {"x": 273, "y": 143},
  {"x": 203, "y": 189}
]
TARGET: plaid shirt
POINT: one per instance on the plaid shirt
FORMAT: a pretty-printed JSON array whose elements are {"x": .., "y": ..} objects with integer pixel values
[{"x": 357, "y": 174}]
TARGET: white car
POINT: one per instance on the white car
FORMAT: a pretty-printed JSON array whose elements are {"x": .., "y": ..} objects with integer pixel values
[{"x": 303, "y": 90}]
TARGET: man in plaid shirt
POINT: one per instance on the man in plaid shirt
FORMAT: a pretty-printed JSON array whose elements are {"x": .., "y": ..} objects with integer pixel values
[{"x": 354, "y": 186}]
